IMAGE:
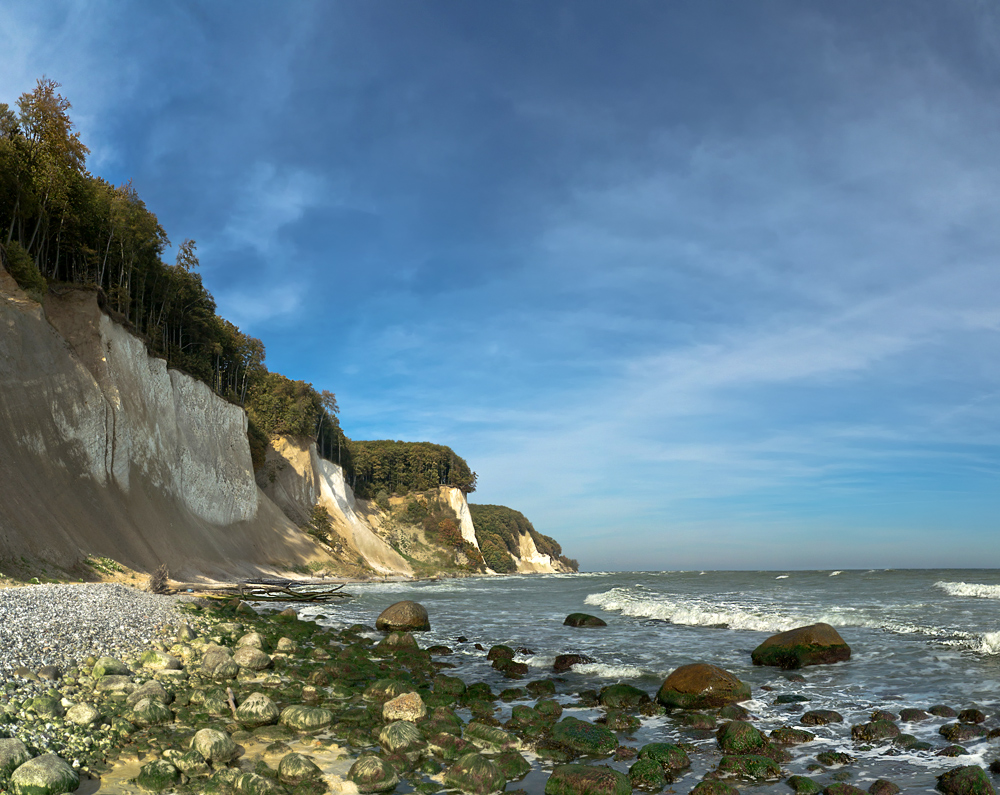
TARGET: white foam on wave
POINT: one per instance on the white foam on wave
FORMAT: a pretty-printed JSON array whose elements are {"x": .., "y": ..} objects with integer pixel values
[
  {"x": 973, "y": 589},
  {"x": 781, "y": 577},
  {"x": 835, "y": 573},
  {"x": 607, "y": 671},
  {"x": 989, "y": 643}
]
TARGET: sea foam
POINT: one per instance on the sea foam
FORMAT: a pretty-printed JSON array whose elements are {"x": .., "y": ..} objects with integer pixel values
[{"x": 976, "y": 590}]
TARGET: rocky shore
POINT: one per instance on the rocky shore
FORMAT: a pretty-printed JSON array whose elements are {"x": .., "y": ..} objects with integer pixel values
[{"x": 204, "y": 696}]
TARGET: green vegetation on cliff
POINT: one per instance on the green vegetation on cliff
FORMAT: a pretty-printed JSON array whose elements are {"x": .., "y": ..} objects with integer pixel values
[
  {"x": 498, "y": 531},
  {"x": 403, "y": 467}
]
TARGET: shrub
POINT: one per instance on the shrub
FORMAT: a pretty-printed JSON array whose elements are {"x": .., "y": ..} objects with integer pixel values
[{"x": 22, "y": 267}]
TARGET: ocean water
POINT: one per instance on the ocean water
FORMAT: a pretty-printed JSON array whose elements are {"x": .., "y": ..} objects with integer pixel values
[{"x": 918, "y": 637}]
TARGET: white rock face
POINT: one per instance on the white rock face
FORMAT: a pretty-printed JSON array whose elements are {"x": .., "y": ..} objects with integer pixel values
[
  {"x": 531, "y": 560},
  {"x": 456, "y": 499}
]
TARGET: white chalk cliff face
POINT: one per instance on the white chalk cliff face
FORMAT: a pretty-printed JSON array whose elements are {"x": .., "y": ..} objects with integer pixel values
[
  {"x": 456, "y": 499},
  {"x": 296, "y": 478},
  {"x": 104, "y": 451}
]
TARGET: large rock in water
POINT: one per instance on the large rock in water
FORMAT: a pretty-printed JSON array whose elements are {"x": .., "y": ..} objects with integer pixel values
[
  {"x": 587, "y": 780},
  {"x": 701, "y": 686},
  {"x": 404, "y": 616},
  {"x": 968, "y": 780},
  {"x": 817, "y": 644},
  {"x": 44, "y": 775}
]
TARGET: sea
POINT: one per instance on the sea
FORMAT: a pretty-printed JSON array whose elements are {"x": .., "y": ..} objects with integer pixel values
[{"x": 919, "y": 638}]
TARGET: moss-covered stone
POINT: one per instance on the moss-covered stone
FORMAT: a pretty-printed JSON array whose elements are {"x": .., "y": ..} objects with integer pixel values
[
  {"x": 803, "y": 785},
  {"x": 817, "y": 644},
  {"x": 623, "y": 696},
  {"x": 714, "y": 788},
  {"x": 647, "y": 775},
  {"x": 667, "y": 755},
  {"x": 109, "y": 666},
  {"x": 44, "y": 775},
  {"x": 157, "y": 775},
  {"x": 584, "y": 738},
  {"x": 401, "y": 736},
  {"x": 961, "y": 732},
  {"x": 13, "y": 753},
  {"x": 475, "y": 774},
  {"x": 967, "y": 780},
  {"x": 750, "y": 766},
  {"x": 584, "y": 620},
  {"x": 739, "y": 737},
  {"x": 216, "y": 747},
  {"x": 587, "y": 780},
  {"x": 789, "y": 736},
  {"x": 820, "y": 717},
  {"x": 305, "y": 719},
  {"x": 883, "y": 787},
  {"x": 294, "y": 768},
  {"x": 490, "y": 738},
  {"x": 513, "y": 766},
  {"x": 875, "y": 730},
  {"x": 842, "y": 788},
  {"x": 257, "y": 710}
]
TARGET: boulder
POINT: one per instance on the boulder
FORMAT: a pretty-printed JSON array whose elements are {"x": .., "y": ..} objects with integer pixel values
[
  {"x": 400, "y": 735},
  {"x": 583, "y": 738},
  {"x": 875, "y": 730},
  {"x": 83, "y": 715},
  {"x": 623, "y": 696},
  {"x": 152, "y": 690},
  {"x": 884, "y": 787},
  {"x": 587, "y": 780},
  {"x": 564, "y": 662},
  {"x": 44, "y": 775},
  {"x": 475, "y": 774},
  {"x": 817, "y": 644},
  {"x": 157, "y": 775},
  {"x": 584, "y": 620},
  {"x": 251, "y": 658},
  {"x": 254, "y": 639},
  {"x": 13, "y": 754},
  {"x": 739, "y": 737},
  {"x": 215, "y": 747},
  {"x": 750, "y": 766},
  {"x": 257, "y": 710},
  {"x": 647, "y": 775},
  {"x": 803, "y": 785},
  {"x": 306, "y": 719},
  {"x": 109, "y": 666},
  {"x": 968, "y": 780},
  {"x": 820, "y": 717},
  {"x": 404, "y": 616},
  {"x": 156, "y": 660},
  {"x": 294, "y": 768},
  {"x": 408, "y": 706},
  {"x": 701, "y": 686},
  {"x": 149, "y": 712},
  {"x": 842, "y": 788},
  {"x": 372, "y": 774},
  {"x": 490, "y": 738},
  {"x": 512, "y": 765},
  {"x": 666, "y": 755},
  {"x": 710, "y": 787}
]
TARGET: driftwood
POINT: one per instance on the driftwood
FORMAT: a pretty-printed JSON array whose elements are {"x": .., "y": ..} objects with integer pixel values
[{"x": 284, "y": 591}]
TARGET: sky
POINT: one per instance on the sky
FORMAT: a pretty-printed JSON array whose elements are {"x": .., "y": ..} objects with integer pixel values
[{"x": 692, "y": 284}]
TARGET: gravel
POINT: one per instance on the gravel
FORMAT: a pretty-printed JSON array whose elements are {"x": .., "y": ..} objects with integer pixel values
[{"x": 62, "y": 625}]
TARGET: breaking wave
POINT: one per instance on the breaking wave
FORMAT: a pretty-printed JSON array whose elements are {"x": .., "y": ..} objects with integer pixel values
[{"x": 972, "y": 589}]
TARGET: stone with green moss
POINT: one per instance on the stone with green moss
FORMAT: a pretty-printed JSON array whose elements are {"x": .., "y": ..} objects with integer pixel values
[
  {"x": 739, "y": 737},
  {"x": 296, "y": 768},
  {"x": 306, "y": 719},
  {"x": 490, "y": 738},
  {"x": 647, "y": 775},
  {"x": 750, "y": 766},
  {"x": 157, "y": 776},
  {"x": 13, "y": 753},
  {"x": 841, "y": 788},
  {"x": 817, "y": 644},
  {"x": 667, "y": 755},
  {"x": 257, "y": 710},
  {"x": 109, "y": 666},
  {"x": 701, "y": 686},
  {"x": 216, "y": 747},
  {"x": 475, "y": 774},
  {"x": 967, "y": 780},
  {"x": 803, "y": 785},
  {"x": 587, "y": 780},
  {"x": 156, "y": 660},
  {"x": 789, "y": 736},
  {"x": 875, "y": 730},
  {"x": 584, "y": 738},
  {"x": 623, "y": 696},
  {"x": 373, "y": 774},
  {"x": 400, "y": 735},
  {"x": 48, "y": 774},
  {"x": 513, "y": 766},
  {"x": 148, "y": 712},
  {"x": 711, "y": 787}
]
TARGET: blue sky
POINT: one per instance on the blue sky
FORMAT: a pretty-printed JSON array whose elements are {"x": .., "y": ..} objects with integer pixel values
[{"x": 691, "y": 284}]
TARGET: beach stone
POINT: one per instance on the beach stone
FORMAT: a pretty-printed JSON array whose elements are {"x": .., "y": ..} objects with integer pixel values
[
  {"x": 942, "y": 711},
  {"x": 623, "y": 696},
  {"x": 47, "y": 707},
  {"x": 252, "y": 658},
  {"x": 840, "y": 788},
  {"x": 564, "y": 662},
  {"x": 581, "y": 737},
  {"x": 711, "y": 787},
  {"x": 157, "y": 775},
  {"x": 257, "y": 710},
  {"x": 834, "y": 758},
  {"x": 587, "y": 780},
  {"x": 701, "y": 686},
  {"x": 750, "y": 766},
  {"x": 803, "y": 785},
  {"x": 253, "y": 639},
  {"x": 475, "y": 774},
  {"x": 152, "y": 690},
  {"x": 156, "y": 660},
  {"x": 449, "y": 747},
  {"x": 883, "y": 714},
  {"x": 883, "y": 787},
  {"x": 512, "y": 765},
  {"x": 734, "y": 712},
  {"x": 286, "y": 646},
  {"x": 961, "y": 732},
  {"x": 215, "y": 747},
  {"x": 910, "y": 715},
  {"x": 971, "y": 716},
  {"x": 739, "y": 737},
  {"x": 408, "y": 706},
  {"x": 789, "y": 736},
  {"x": 400, "y": 736},
  {"x": 398, "y": 640},
  {"x": 490, "y": 738},
  {"x": 373, "y": 774},
  {"x": 294, "y": 768},
  {"x": 109, "y": 666},
  {"x": 185, "y": 632},
  {"x": 384, "y": 690},
  {"x": 44, "y": 775},
  {"x": 875, "y": 730},
  {"x": 305, "y": 719},
  {"x": 967, "y": 780},
  {"x": 647, "y": 775},
  {"x": 13, "y": 754},
  {"x": 407, "y": 616},
  {"x": 821, "y": 717},
  {"x": 666, "y": 755},
  {"x": 952, "y": 750},
  {"x": 49, "y": 673},
  {"x": 449, "y": 685},
  {"x": 817, "y": 644},
  {"x": 213, "y": 659},
  {"x": 190, "y": 764},
  {"x": 149, "y": 712},
  {"x": 584, "y": 620}
]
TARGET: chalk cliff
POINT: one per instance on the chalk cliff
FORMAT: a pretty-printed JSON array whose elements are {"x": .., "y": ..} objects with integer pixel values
[{"x": 103, "y": 451}]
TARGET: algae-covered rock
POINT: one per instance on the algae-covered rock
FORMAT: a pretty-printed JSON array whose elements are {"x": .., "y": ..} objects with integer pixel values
[
  {"x": 820, "y": 717},
  {"x": 216, "y": 747},
  {"x": 883, "y": 787},
  {"x": 623, "y": 696},
  {"x": 44, "y": 775},
  {"x": 384, "y": 690},
  {"x": 152, "y": 690},
  {"x": 109, "y": 666},
  {"x": 491, "y": 738},
  {"x": 400, "y": 736},
  {"x": 254, "y": 639},
  {"x": 190, "y": 764},
  {"x": 647, "y": 775},
  {"x": 407, "y": 616},
  {"x": 961, "y": 732},
  {"x": 305, "y": 719},
  {"x": 701, "y": 686},
  {"x": 47, "y": 707},
  {"x": 750, "y": 766},
  {"x": 252, "y": 659},
  {"x": 253, "y": 784},
  {"x": 913, "y": 715},
  {"x": 967, "y": 780},
  {"x": 513, "y": 766},
  {"x": 156, "y": 660},
  {"x": 293, "y": 769},
  {"x": 147, "y": 712},
  {"x": 587, "y": 780},
  {"x": 584, "y": 620},
  {"x": 13, "y": 754},
  {"x": 584, "y": 738},
  {"x": 875, "y": 730},
  {"x": 373, "y": 774},
  {"x": 817, "y": 644},
  {"x": 475, "y": 774},
  {"x": 667, "y": 755},
  {"x": 257, "y": 710},
  {"x": 803, "y": 785},
  {"x": 714, "y": 788},
  {"x": 408, "y": 706},
  {"x": 157, "y": 775},
  {"x": 789, "y": 736},
  {"x": 841, "y": 788},
  {"x": 739, "y": 737},
  {"x": 395, "y": 641}
]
